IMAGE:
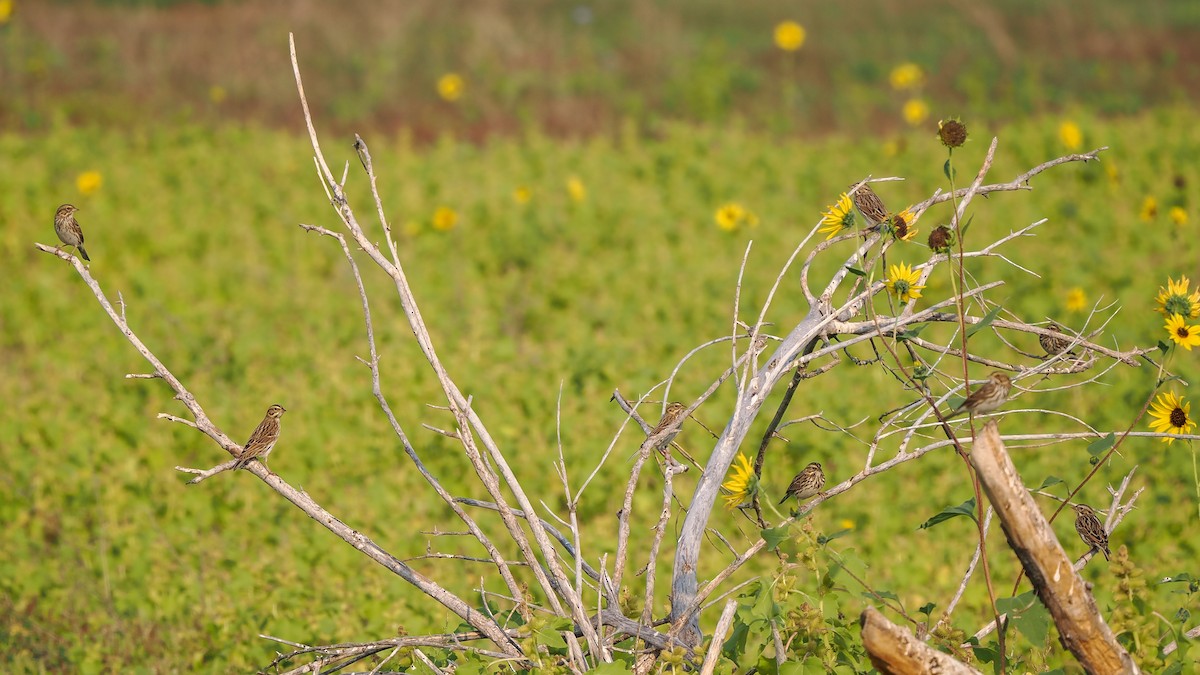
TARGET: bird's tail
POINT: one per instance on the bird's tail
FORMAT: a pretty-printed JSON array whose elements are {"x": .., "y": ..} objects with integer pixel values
[
  {"x": 83, "y": 253},
  {"x": 785, "y": 498}
]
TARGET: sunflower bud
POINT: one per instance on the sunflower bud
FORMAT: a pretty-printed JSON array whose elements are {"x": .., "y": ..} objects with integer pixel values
[
  {"x": 952, "y": 133},
  {"x": 941, "y": 239}
]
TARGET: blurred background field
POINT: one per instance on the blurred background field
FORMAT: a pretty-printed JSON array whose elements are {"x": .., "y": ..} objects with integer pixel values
[{"x": 556, "y": 211}]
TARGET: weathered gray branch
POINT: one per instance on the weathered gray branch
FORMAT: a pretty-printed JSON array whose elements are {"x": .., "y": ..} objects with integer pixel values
[{"x": 1062, "y": 591}]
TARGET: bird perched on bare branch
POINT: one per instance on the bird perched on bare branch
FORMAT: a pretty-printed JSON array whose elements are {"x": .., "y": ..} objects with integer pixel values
[
  {"x": 263, "y": 439},
  {"x": 807, "y": 483},
  {"x": 1090, "y": 530},
  {"x": 68, "y": 230},
  {"x": 988, "y": 397}
]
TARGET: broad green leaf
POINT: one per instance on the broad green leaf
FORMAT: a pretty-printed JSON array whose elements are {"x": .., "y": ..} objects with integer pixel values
[
  {"x": 985, "y": 321},
  {"x": 1049, "y": 481},
  {"x": 1097, "y": 448},
  {"x": 856, "y": 271},
  {"x": 614, "y": 668},
  {"x": 966, "y": 508},
  {"x": 774, "y": 536}
]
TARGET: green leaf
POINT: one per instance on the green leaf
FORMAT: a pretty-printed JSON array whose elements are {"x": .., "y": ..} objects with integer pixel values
[
  {"x": 855, "y": 270},
  {"x": 551, "y": 634},
  {"x": 1164, "y": 346},
  {"x": 774, "y": 536},
  {"x": 1033, "y": 623},
  {"x": 614, "y": 668},
  {"x": 985, "y": 321},
  {"x": 1097, "y": 448},
  {"x": 1017, "y": 603},
  {"x": 927, "y": 608},
  {"x": 1182, "y": 577},
  {"x": 967, "y": 225},
  {"x": 966, "y": 508},
  {"x": 948, "y": 170},
  {"x": 1050, "y": 481},
  {"x": 826, "y": 538},
  {"x": 911, "y": 332}
]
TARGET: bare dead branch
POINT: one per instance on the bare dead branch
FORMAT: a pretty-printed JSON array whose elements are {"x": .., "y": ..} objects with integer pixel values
[
  {"x": 895, "y": 651},
  {"x": 1059, "y": 587}
]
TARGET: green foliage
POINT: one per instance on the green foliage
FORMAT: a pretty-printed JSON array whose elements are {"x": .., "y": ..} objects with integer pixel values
[{"x": 196, "y": 230}]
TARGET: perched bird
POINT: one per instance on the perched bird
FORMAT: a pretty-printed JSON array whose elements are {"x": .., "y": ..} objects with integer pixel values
[
  {"x": 1054, "y": 344},
  {"x": 68, "y": 230},
  {"x": 988, "y": 397},
  {"x": 263, "y": 438},
  {"x": 806, "y": 483},
  {"x": 674, "y": 413},
  {"x": 870, "y": 205},
  {"x": 1090, "y": 530}
]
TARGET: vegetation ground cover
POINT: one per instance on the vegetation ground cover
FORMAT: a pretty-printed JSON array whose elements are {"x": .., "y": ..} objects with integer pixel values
[{"x": 541, "y": 265}]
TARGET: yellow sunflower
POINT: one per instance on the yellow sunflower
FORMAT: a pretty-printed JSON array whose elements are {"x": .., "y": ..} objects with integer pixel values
[
  {"x": 1171, "y": 415},
  {"x": 902, "y": 282},
  {"x": 742, "y": 483},
  {"x": 1174, "y": 299},
  {"x": 838, "y": 217},
  {"x": 1184, "y": 335}
]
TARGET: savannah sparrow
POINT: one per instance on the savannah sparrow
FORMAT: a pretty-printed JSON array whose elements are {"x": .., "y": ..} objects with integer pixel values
[
  {"x": 68, "y": 230},
  {"x": 870, "y": 205},
  {"x": 988, "y": 397},
  {"x": 1090, "y": 530},
  {"x": 1054, "y": 344},
  {"x": 673, "y": 414},
  {"x": 263, "y": 438},
  {"x": 806, "y": 483}
]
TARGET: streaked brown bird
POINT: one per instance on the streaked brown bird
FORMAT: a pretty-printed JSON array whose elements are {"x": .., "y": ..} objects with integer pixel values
[
  {"x": 988, "y": 397},
  {"x": 870, "y": 205},
  {"x": 263, "y": 439},
  {"x": 806, "y": 483},
  {"x": 1090, "y": 529},
  {"x": 68, "y": 230},
  {"x": 1054, "y": 344},
  {"x": 673, "y": 414}
]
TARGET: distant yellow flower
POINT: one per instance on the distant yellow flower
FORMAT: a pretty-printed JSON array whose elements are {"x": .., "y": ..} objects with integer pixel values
[
  {"x": 1182, "y": 334},
  {"x": 1076, "y": 300},
  {"x": 1149, "y": 208},
  {"x": 576, "y": 189},
  {"x": 906, "y": 76},
  {"x": 6, "y": 10},
  {"x": 1171, "y": 415},
  {"x": 789, "y": 36},
  {"x": 1071, "y": 135},
  {"x": 902, "y": 282},
  {"x": 88, "y": 182},
  {"x": 838, "y": 217},
  {"x": 894, "y": 147},
  {"x": 450, "y": 87},
  {"x": 444, "y": 218},
  {"x": 915, "y": 111},
  {"x": 729, "y": 216},
  {"x": 1178, "y": 215},
  {"x": 742, "y": 483},
  {"x": 522, "y": 195},
  {"x": 846, "y": 524},
  {"x": 217, "y": 93},
  {"x": 1113, "y": 173},
  {"x": 1175, "y": 299}
]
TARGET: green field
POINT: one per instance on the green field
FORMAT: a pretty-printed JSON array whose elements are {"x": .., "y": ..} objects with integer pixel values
[
  {"x": 539, "y": 306},
  {"x": 112, "y": 561}
]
